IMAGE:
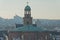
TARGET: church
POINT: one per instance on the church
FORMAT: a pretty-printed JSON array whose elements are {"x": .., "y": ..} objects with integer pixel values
[{"x": 27, "y": 31}]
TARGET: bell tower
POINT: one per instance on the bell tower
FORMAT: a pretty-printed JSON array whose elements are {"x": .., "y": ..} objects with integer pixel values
[{"x": 27, "y": 19}]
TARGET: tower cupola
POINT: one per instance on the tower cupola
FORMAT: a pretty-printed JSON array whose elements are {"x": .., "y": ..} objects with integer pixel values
[
  {"x": 27, "y": 8},
  {"x": 27, "y": 15}
]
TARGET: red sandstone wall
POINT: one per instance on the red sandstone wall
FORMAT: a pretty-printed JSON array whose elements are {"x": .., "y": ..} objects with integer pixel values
[{"x": 29, "y": 35}]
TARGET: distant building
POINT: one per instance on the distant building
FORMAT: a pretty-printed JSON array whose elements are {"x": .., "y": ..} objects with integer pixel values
[
  {"x": 3, "y": 35},
  {"x": 27, "y": 31}
]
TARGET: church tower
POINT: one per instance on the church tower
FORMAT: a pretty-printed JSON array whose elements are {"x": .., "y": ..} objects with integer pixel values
[{"x": 27, "y": 16}]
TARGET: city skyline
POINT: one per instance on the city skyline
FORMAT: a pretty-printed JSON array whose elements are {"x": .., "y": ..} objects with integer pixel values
[{"x": 41, "y": 9}]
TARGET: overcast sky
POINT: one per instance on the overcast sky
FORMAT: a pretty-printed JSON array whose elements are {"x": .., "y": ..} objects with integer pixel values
[{"x": 42, "y": 9}]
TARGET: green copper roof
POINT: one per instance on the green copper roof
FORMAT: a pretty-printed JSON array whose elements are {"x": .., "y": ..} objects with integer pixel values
[
  {"x": 27, "y": 8},
  {"x": 28, "y": 28}
]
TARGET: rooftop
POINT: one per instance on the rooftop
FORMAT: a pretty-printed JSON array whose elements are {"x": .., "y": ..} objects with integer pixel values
[{"x": 28, "y": 28}]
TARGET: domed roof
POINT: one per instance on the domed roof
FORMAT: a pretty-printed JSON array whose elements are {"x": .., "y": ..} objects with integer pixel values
[{"x": 27, "y": 8}]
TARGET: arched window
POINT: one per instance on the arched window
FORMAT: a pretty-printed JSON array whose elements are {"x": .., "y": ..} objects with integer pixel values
[
  {"x": 46, "y": 37},
  {"x": 16, "y": 38}
]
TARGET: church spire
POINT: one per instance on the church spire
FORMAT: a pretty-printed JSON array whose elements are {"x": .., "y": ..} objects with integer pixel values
[
  {"x": 27, "y": 2},
  {"x": 27, "y": 8},
  {"x": 27, "y": 15}
]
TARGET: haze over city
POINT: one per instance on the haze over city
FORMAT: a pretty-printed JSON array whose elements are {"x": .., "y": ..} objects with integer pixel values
[{"x": 41, "y": 9}]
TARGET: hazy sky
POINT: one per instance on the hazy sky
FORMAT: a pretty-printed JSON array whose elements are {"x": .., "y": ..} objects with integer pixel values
[{"x": 42, "y": 9}]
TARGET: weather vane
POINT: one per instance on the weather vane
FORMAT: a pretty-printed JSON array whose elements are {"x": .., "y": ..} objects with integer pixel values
[{"x": 27, "y": 3}]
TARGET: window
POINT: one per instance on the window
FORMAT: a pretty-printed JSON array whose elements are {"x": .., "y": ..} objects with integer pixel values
[
  {"x": 27, "y": 22},
  {"x": 16, "y": 38}
]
